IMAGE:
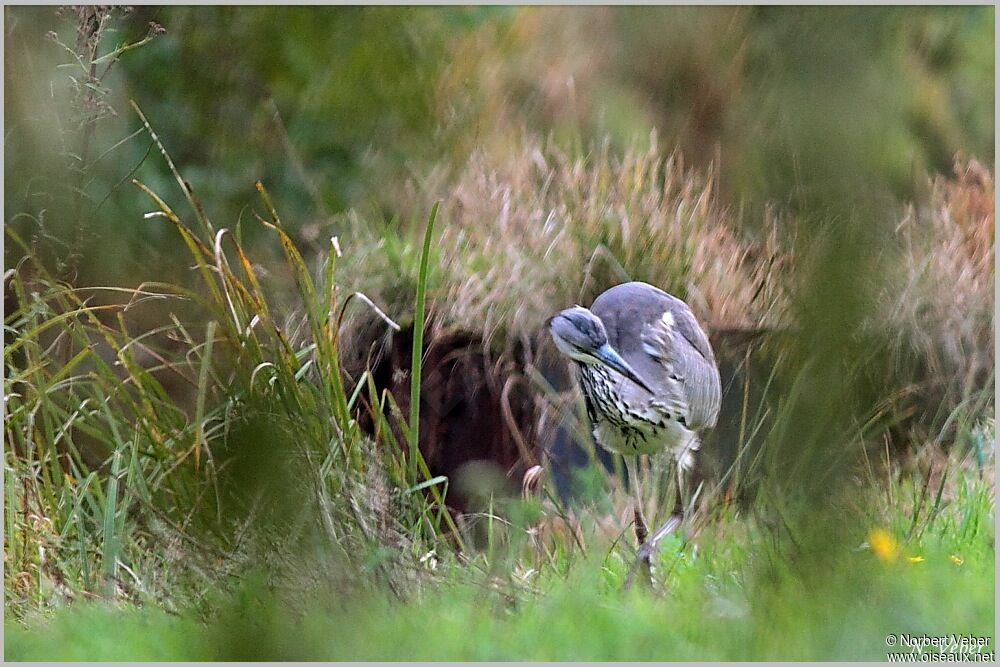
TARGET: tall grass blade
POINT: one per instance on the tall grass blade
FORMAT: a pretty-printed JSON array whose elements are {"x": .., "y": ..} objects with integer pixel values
[
  {"x": 416, "y": 360},
  {"x": 111, "y": 547},
  {"x": 206, "y": 362}
]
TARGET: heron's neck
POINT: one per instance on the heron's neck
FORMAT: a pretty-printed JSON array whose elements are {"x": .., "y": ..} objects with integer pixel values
[{"x": 598, "y": 383}]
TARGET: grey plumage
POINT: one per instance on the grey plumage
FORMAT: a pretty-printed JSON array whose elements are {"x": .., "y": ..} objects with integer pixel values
[
  {"x": 650, "y": 382},
  {"x": 658, "y": 337},
  {"x": 663, "y": 348}
]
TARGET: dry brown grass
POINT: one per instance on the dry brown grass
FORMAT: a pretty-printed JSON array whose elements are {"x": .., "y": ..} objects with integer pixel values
[
  {"x": 525, "y": 236},
  {"x": 943, "y": 315},
  {"x": 523, "y": 233}
]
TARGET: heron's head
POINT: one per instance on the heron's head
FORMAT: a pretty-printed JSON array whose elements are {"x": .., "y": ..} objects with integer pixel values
[{"x": 580, "y": 335}]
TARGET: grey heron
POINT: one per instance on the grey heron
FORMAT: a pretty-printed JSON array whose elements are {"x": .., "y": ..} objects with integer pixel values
[{"x": 649, "y": 380}]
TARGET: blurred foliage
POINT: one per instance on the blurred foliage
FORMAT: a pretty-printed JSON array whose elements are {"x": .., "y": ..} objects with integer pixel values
[
  {"x": 322, "y": 104},
  {"x": 336, "y": 107},
  {"x": 158, "y": 446},
  {"x": 315, "y": 101},
  {"x": 936, "y": 580}
]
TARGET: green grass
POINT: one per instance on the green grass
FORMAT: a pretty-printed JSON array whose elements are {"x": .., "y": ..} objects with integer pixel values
[
  {"x": 132, "y": 466},
  {"x": 715, "y": 608},
  {"x": 81, "y": 633},
  {"x": 737, "y": 591},
  {"x": 186, "y": 475}
]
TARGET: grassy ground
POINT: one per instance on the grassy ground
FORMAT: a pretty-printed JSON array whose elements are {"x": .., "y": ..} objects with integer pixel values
[
  {"x": 571, "y": 623},
  {"x": 206, "y": 457},
  {"x": 719, "y": 604},
  {"x": 187, "y": 476}
]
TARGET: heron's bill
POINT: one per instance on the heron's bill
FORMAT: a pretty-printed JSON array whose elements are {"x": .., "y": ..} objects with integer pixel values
[{"x": 613, "y": 360}]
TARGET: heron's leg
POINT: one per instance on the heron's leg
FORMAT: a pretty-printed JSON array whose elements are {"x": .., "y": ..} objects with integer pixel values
[
  {"x": 674, "y": 522},
  {"x": 682, "y": 498},
  {"x": 644, "y": 558},
  {"x": 641, "y": 531}
]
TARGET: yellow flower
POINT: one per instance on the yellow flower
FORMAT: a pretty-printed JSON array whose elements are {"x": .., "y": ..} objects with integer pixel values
[
  {"x": 956, "y": 559},
  {"x": 915, "y": 559},
  {"x": 883, "y": 544}
]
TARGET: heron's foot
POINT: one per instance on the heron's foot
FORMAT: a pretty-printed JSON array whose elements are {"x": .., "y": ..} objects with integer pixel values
[
  {"x": 645, "y": 554},
  {"x": 647, "y": 550},
  {"x": 642, "y": 567},
  {"x": 642, "y": 562}
]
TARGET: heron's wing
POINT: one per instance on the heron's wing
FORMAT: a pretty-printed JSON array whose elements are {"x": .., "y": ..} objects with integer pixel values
[{"x": 677, "y": 342}]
